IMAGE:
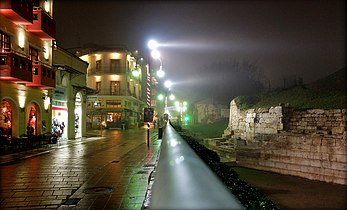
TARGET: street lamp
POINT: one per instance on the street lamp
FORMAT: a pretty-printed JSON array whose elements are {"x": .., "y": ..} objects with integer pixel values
[
  {"x": 152, "y": 44},
  {"x": 168, "y": 84},
  {"x": 156, "y": 55}
]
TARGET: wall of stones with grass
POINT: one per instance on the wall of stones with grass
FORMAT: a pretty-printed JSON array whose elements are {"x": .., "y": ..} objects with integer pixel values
[{"x": 306, "y": 143}]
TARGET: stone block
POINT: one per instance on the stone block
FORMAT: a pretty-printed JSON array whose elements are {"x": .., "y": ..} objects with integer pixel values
[
  {"x": 293, "y": 167},
  {"x": 337, "y": 130},
  {"x": 339, "y": 158},
  {"x": 315, "y": 163},
  {"x": 281, "y": 165},
  {"x": 315, "y": 111},
  {"x": 326, "y": 164},
  {"x": 340, "y": 174},
  {"x": 315, "y": 155},
  {"x": 328, "y": 178},
  {"x": 317, "y": 140},
  {"x": 339, "y": 166},
  {"x": 313, "y": 170}
]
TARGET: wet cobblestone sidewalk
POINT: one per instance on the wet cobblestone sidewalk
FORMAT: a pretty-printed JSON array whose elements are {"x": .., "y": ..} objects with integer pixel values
[{"x": 110, "y": 172}]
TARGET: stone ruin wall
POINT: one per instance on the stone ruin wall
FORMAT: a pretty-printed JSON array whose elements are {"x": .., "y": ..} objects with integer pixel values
[{"x": 306, "y": 143}]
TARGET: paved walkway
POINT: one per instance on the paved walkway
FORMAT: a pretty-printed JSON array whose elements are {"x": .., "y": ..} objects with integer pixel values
[{"x": 109, "y": 172}]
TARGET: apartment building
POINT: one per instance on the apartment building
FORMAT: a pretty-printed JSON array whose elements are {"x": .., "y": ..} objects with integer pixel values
[
  {"x": 27, "y": 33},
  {"x": 117, "y": 77}
]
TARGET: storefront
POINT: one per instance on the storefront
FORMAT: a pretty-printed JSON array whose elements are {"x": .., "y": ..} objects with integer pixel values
[
  {"x": 78, "y": 114},
  {"x": 6, "y": 119},
  {"x": 60, "y": 118},
  {"x": 60, "y": 112}
]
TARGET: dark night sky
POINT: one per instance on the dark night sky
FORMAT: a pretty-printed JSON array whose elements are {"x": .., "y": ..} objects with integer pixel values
[{"x": 283, "y": 38}]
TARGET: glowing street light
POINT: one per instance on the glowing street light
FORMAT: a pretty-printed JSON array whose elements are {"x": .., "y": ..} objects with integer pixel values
[
  {"x": 160, "y": 97},
  {"x": 167, "y": 83},
  {"x": 156, "y": 55},
  {"x": 152, "y": 44},
  {"x": 160, "y": 72},
  {"x": 172, "y": 97}
]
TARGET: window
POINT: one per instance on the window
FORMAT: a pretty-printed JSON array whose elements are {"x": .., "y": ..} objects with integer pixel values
[
  {"x": 36, "y": 71},
  {"x": 21, "y": 64},
  {"x": 115, "y": 88},
  {"x": 98, "y": 65},
  {"x": 98, "y": 86},
  {"x": 15, "y": 61},
  {"x": 34, "y": 55},
  {"x": 115, "y": 66},
  {"x": 3, "y": 60},
  {"x": 5, "y": 42},
  {"x": 113, "y": 104}
]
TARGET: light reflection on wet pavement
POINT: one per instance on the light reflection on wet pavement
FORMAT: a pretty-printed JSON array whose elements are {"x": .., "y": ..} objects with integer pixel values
[{"x": 95, "y": 173}]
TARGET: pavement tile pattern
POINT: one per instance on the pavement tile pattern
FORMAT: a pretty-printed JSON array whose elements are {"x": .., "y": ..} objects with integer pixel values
[{"x": 91, "y": 173}]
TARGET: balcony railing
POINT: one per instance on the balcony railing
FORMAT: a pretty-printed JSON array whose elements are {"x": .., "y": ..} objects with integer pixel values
[
  {"x": 15, "y": 68},
  {"x": 43, "y": 25},
  {"x": 19, "y": 12},
  {"x": 105, "y": 70},
  {"x": 183, "y": 181},
  {"x": 43, "y": 76}
]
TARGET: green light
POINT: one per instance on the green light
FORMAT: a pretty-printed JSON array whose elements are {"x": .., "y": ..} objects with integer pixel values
[
  {"x": 172, "y": 97},
  {"x": 186, "y": 118},
  {"x": 160, "y": 97},
  {"x": 135, "y": 72}
]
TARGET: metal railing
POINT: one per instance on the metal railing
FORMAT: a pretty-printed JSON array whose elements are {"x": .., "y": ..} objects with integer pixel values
[{"x": 183, "y": 181}]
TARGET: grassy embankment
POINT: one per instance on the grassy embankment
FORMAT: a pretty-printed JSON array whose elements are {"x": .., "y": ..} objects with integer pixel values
[{"x": 326, "y": 93}]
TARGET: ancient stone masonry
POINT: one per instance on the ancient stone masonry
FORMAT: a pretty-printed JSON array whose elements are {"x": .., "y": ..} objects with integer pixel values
[{"x": 306, "y": 143}]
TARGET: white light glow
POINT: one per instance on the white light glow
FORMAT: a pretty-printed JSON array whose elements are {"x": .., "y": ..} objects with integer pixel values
[
  {"x": 46, "y": 51},
  {"x": 47, "y": 102},
  {"x": 21, "y": 38},
  {"x": 21, "y": 99},
  {"x": 167, "y": 83},
  {"x": 97, "y": 57},
  {"x": 173, "y": 142},
  {"x": 179, "y": 160},
  {"x": 47, "y": 6},
  {"x": 152, "y": 44},
  {"x": 118, "y": 56},
  {"x": 172, "y": 97},
  {"x": 160, "y": 97},
  {"x": 98, "y": 78},
  {"x": 111, "y": 78},
  {"x": 160, "y": 73}
]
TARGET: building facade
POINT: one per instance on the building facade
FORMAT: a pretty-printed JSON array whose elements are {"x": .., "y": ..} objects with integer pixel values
[
  {"x": 27, "y": 33},
  {"x": 117, "y": 79},
  {"x": 69, "y": 95}
]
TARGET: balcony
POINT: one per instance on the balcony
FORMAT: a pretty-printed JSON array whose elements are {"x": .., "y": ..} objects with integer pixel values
[
  {"x": 43, "y": 25},
  {"x": 43, "y": 76},
  {"x": 15, "y": 68},
  {"x": 19, "y": 12},
  {"x": 105, "y": 70}
]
